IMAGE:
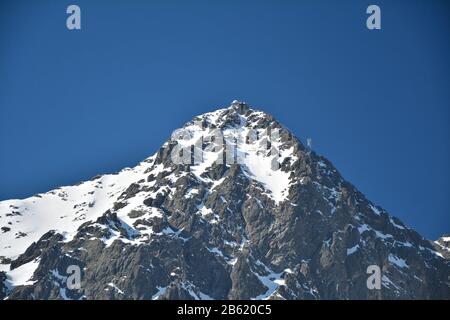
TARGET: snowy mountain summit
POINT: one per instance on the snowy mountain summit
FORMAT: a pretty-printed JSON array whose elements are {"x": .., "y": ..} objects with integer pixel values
[{"x": 232, "y": 206}]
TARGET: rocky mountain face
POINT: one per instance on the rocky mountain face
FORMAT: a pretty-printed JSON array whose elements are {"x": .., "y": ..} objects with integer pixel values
[
  {"x": 248, "y": 213},
  {"x": 442, "y": 245}
]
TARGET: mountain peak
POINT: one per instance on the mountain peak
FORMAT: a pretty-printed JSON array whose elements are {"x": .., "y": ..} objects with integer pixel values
[
  {"x": 237, "y": 115},
  {"x": 239, "y": 105},
  {"x": 232, "y": 206}
]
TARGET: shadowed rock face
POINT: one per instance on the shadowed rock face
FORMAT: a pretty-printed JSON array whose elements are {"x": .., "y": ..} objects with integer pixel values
[
  {"x": 235, "y": 230},
  {"x": 2, "y": 285}
]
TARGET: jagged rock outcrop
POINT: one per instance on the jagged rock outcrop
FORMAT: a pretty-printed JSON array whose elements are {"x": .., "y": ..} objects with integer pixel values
[{"x": 442, "y": 245}]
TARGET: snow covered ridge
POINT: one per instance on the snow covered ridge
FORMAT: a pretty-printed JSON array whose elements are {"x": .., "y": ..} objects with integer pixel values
[
  {"x": 63, "y": 210},
  {"x": 217, "y": 139},
  {"x": 230, "y": 145},
  {"x": 237, "y": 135}
]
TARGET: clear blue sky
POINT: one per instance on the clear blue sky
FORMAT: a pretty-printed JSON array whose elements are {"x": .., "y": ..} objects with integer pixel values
[{"x": 74, "y": 104}]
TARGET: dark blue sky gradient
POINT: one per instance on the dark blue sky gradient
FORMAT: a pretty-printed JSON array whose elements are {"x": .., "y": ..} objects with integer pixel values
[{"x": 74, "y": 104}]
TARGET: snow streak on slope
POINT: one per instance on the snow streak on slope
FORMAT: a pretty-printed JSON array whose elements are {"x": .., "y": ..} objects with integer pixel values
[{"x": 64, "y": 210}]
